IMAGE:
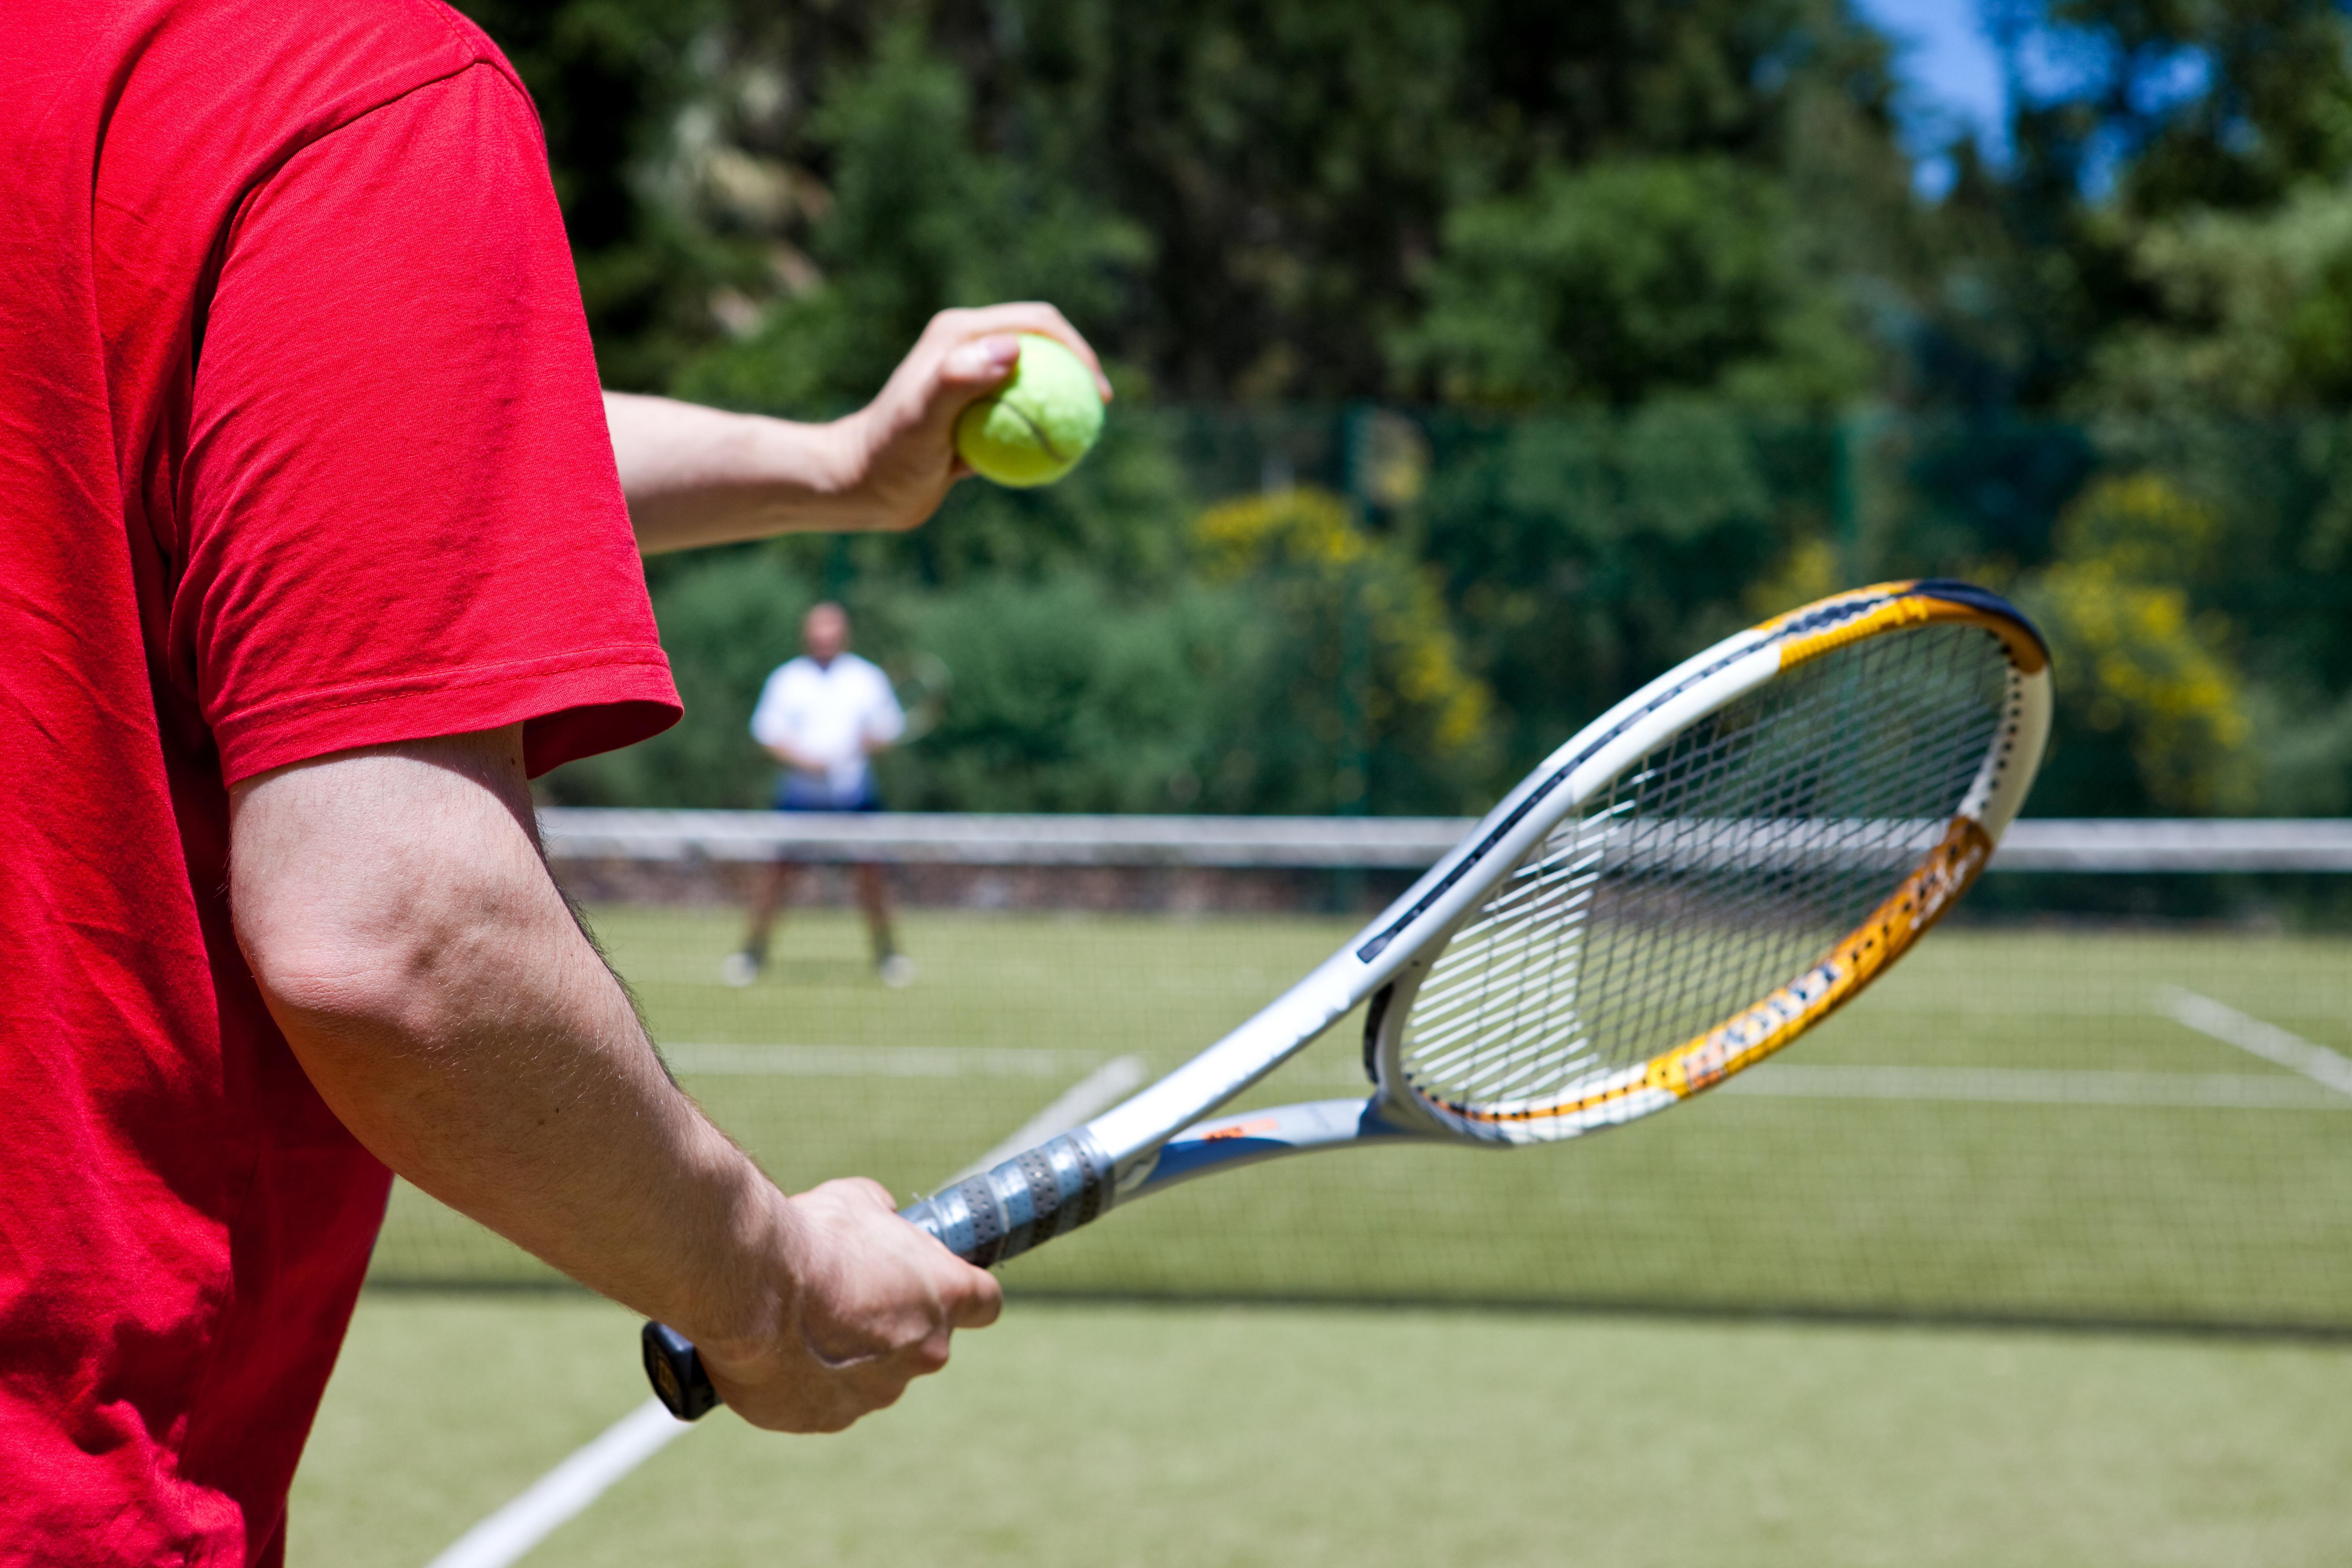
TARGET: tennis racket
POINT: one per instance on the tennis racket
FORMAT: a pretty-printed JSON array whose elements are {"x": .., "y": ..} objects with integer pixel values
[
  {"x": 1710, "y": 868},
  {"x": 922, "y": 683}
]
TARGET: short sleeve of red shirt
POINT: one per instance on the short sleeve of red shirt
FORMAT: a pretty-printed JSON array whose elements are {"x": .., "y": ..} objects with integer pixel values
[{"x": 399, "y": 508}]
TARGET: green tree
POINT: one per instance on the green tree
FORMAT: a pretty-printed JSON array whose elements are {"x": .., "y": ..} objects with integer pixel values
[
  {"x": 2066, "y": 276},
  {"x": 1070, "y": 695},
  {"x": 611, "y": 81},
  {"x": 1349, "y": 632},
  {"x": 2249, "y": 312},
  {"x": 1237, "y": 200},
  {"x": 1585, "y": 554},
  {"x": 917, "y": 219},
  {"x": 2225, "y": 104},
  {"x": 1629, "y": 278}
]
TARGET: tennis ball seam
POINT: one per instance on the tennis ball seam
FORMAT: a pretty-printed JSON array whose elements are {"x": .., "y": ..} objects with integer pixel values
[
  {"x": 1037, "y": 425},
  {"x": 1044, "y": 439}
]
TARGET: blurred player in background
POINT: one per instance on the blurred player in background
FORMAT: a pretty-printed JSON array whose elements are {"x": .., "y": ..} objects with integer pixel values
[{"x": 821, "y": 716}]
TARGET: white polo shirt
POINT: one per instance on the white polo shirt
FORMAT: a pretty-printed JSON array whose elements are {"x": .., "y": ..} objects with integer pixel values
[{"x": 829, "y": 713}]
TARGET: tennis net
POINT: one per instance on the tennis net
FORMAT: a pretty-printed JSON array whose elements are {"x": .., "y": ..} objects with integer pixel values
[{"x": 2116, "y": 1088}]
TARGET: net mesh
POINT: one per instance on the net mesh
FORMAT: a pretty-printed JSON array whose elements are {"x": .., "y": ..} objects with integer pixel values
[
  {"x": 1713, "y": 871},
  {"x": 2081, "y": 1099}
]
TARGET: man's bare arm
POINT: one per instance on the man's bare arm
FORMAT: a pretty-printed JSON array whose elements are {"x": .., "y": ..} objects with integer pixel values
[
  {"x": 393, "y": 905},
  {"x": 697, "y": 475}
]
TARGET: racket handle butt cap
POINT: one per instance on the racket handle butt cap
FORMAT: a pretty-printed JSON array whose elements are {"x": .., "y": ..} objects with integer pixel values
[
  {"x": 675, "y": 1369},
  {"x": 1024, "y": 1202}
]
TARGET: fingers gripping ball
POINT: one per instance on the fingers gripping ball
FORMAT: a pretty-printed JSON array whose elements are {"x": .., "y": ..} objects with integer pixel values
[{"x": 1035, "y": 427}]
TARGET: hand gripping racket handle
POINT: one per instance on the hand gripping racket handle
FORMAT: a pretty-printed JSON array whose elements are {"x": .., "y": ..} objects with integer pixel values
[{"x": 1025, "y": 1203}]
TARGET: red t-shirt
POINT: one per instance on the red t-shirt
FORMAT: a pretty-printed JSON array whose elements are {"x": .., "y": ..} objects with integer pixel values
[{"x": 300, "y": 449}]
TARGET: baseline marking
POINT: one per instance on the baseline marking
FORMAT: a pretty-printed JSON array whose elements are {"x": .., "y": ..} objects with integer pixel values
[
  {"x": 558, "y": 1496},
  {"x": 1776, "y": 1081},
  {"x": 1098, "y": 1091},
  {"x": 2032, "y": 1086},
  {"x": 2219, "y": 1021},
  {"x": 873, "y": 1061}
]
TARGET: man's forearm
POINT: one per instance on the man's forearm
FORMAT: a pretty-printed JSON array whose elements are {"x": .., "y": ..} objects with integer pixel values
[
  {"x": 461, "y": 1026},
  {"x": 426, "y": 973},
  {"x": 696, "y": 476}
]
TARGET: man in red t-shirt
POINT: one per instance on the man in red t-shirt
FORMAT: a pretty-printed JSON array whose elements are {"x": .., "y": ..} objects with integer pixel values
[{"x": 312, "y": 549}]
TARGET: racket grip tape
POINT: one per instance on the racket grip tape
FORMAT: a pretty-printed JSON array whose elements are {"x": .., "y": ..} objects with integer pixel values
[
  {"x": 1028, "y": 1201},
  {"x": 1025, "y": 1203}
]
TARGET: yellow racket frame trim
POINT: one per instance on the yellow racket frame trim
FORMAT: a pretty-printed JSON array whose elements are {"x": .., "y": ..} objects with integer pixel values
[
  {"x": 1905, "y": 610},
  {"x": 1751, "y": 1035},
  {"x": 1758, "y": 1030}
]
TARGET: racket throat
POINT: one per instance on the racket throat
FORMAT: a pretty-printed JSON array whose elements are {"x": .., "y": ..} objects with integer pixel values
[{"x": 1252, "y": 1137}]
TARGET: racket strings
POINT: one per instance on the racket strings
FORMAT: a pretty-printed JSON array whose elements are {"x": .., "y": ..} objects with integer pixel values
[
  {"x": 1832, "y": 829},
  {"x": 1713, "y": 871}
]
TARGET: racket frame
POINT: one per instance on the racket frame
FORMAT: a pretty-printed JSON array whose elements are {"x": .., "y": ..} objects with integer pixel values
[{"x": 1158, "y": 1136}]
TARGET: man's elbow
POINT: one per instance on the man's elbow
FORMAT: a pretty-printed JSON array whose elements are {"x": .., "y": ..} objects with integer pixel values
[
  {"x": 394, "y": 961},
  {"x": 322, "y": 983},
  {"x": 376, "y": 893}
]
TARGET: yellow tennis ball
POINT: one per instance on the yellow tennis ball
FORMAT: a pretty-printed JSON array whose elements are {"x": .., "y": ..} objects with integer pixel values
[{"x": 1035, "y": 427}]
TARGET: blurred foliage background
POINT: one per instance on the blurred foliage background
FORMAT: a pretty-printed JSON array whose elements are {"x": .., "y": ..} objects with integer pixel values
[{"x": 1480, "y": 358}]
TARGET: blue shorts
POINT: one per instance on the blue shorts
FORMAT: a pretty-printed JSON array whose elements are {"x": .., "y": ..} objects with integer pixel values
[{"x": 798, "y": 794}]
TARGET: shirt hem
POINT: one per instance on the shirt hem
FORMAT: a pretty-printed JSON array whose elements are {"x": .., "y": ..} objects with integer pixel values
[{"x": 572, "y": 706}]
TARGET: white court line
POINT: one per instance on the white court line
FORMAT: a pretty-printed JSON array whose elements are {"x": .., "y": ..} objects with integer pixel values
[
  {"x": 1996, "y": 1085},
  {"x": 1776, "y": 1081},
  {"x": 504, "y": 1536},
  {"x": 558, "y": 1496},
  {"x": 2226, "y": 1024},
  {"x": 2032, "y": 1086},
  {"x": 874, "y": 1061},
  {"x": 1097, "y": 1090}
]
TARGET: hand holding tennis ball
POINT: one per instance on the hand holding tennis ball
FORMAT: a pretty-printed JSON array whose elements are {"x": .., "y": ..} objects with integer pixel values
[
  {"x": 978, "y": 387},
  {"x": 1032, "y": 429}
]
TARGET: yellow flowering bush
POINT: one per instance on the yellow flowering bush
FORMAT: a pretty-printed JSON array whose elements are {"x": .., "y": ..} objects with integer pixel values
[
  {"x": 1305, "y": 553},
  {"x": 2137, "y": 670}
]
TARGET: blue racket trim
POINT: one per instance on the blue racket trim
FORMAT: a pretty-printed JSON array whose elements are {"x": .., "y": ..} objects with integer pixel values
[{"x": 1253, "y": 1135}]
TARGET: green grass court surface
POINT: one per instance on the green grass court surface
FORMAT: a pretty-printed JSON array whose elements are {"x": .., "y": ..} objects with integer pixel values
[
  {"x": 1941, "y": 1287},
  {"x": 2011, "y": 1127},
  {"x": 1107, "y": 1435}
]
